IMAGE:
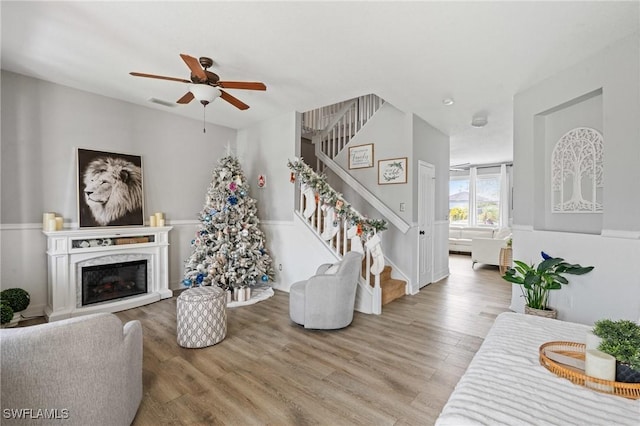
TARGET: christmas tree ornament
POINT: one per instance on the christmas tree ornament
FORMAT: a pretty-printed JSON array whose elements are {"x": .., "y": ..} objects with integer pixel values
[
  {"x": 232, "y": 187},
  {"x": 374, "y": 246},
  {"x": 265, "y": 278},
  {"x": 292, "y": 177}
]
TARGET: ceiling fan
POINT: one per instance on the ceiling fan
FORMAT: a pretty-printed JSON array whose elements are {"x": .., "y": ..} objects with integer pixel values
[{"x": 205, "y": 85}]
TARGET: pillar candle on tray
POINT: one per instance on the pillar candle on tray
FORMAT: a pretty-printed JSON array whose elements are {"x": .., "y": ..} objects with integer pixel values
[
  {"x": 46, "y": 217},
  {"x": 599, "y": 365}
]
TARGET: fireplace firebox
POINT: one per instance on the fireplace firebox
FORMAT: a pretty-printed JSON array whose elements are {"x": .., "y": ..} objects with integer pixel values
[{"x": 101, "y": 283}]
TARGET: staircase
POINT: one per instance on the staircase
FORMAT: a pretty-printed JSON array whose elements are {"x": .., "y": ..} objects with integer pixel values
[{"x": 330, "y": 129}]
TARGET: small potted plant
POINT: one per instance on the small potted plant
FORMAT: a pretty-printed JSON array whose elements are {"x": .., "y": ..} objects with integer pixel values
[
  {"x": 6, "y": 313},
  {"x": 17, "y": 300},
  {"x": 621, "y": 339},
  {"x": 537, "y": 281}
]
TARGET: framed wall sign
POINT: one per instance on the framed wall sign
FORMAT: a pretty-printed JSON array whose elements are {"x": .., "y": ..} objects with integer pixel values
[
  {"x": 393, "y": 170},
  {"x": 361, "y": 156},
  {"x": 109, "y": 189}
]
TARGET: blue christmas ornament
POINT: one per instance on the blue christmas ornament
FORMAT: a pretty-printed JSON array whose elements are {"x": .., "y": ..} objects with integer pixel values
[
  {"x": 186, "y": 282},
  {"x": 207, "y": 218},
  {"x": 199, "y": 278},
  {"x": 262, "y": 251},
  {"x": 213, "y": 211},
  {"x": 203, "y": 232},
  {"x": 232, "y": 200},
  {"x": 243, "y": 192},
  {"x": 265, "y": 278}
]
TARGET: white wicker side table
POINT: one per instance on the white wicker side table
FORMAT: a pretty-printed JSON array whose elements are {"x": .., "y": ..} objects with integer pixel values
[{"x": 201, "y": 317}]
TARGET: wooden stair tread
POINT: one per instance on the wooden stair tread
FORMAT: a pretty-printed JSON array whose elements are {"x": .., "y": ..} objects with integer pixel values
[{"x": 392, "y": 289}]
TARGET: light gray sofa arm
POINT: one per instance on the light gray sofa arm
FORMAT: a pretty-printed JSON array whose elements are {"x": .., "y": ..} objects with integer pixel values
[{"x": 84, "y": 370}]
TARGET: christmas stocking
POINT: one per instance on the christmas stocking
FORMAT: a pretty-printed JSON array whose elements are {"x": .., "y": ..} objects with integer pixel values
[
  {"x": 309, "y": 201},
  {"x": 331, "y": 226},
  {"x": 356, "y": 242},
  {"x": 376, "y": 254}
]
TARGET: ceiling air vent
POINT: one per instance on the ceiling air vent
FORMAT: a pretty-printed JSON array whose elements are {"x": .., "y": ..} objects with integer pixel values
[{"x": 161, "y": 102}]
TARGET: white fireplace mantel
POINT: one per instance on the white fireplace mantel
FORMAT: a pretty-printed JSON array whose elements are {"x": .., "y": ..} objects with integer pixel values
[{"x": 67, "y": 249}]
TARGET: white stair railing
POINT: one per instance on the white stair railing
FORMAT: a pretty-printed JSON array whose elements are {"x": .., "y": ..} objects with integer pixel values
[{"x": 345, "y": 123}]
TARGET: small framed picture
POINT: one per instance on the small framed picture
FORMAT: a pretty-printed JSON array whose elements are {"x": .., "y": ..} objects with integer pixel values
[
  {"x": 391, "y": 171},
  {"x": 109, "y": 189},
  {"x": 361, "y": 156}
]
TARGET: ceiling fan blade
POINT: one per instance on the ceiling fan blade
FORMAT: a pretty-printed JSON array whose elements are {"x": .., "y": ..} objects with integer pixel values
[
  {"x": 249, "y": 85},
  {"x": 194, "y": 66},
  {"x": 233, "y": 100},
  {"x": 188, "y": 97},
  {"x": 139, "y": 74}
]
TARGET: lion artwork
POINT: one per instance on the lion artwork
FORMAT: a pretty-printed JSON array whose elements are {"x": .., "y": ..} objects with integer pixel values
[{"x": 112, "y": 190}]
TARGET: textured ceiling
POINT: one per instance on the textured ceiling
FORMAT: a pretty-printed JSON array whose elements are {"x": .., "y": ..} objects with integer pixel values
[{"x": 310, "y": 54}]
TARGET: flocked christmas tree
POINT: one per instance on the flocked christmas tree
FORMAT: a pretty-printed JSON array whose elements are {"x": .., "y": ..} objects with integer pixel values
[{"x": 229, "y": 247}]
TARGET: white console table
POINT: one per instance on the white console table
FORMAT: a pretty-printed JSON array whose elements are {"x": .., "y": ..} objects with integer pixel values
[{"x": 68, "y": 250}]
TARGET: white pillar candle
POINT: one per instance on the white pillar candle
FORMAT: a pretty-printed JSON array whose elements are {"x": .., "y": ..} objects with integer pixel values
[
  {"x": 152, "y": 221},
  {"x": 46, "y": 217},
  {"x": 59, "y": 223},
  {"x": 51, "y": 225},
  {"x": 601, "y": 366},
  {"x": 159, "y": 216},
  {"x": 592, "y": 341},
  {"x": 160, "y": 222}
]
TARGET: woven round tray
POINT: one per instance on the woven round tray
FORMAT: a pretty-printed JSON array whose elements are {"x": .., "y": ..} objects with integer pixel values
[{"x": 574, "y": 354}]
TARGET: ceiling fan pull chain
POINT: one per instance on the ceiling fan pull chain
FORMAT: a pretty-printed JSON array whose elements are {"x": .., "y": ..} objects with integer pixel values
[{"x": 204, "y": 123}]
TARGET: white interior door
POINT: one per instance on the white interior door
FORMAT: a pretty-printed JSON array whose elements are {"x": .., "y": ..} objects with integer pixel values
[{"x": 426, "y": 199}]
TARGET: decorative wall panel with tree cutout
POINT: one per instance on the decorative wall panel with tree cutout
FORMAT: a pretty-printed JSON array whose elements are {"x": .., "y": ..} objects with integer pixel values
[{"x": 576, "y": 172}]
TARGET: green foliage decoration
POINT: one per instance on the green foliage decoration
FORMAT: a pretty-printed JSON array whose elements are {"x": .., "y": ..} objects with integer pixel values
[
  {"x": 537, "y": 281},
  {"x": 328, "y": 195},
  {"x": 620, "y": 339},
  {"x": 6, "y": 313},
  {"x": 17, "y": 298}
]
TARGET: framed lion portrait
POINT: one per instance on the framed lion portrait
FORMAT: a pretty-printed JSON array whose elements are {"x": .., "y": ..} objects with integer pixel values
[{"x": 109, "y": 189}]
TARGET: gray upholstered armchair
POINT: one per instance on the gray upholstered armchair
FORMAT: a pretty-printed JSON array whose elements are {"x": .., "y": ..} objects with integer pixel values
[
  {"x": 327, "y": 299},
  {"x": 84, "y": 370}
]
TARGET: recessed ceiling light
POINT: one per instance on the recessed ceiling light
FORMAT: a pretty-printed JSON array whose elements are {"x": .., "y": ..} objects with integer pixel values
[
  {"x": 479, "y": 121},
  {"x": 448, "y": 101}
]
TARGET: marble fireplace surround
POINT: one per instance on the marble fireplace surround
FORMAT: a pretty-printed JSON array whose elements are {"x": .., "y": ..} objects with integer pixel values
[{"x": 69, "y": 250}]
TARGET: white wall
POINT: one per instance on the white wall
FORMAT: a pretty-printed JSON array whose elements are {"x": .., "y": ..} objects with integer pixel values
[
  {"x": 44, "y": 123},
  {"x": 613, "y": 288}
]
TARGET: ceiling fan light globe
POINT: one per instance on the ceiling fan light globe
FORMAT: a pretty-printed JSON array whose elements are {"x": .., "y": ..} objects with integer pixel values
[{"x": 204, "y": 92}]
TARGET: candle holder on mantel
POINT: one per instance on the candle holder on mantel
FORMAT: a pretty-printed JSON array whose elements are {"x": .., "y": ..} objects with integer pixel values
[{"x": 566, "y": 360}]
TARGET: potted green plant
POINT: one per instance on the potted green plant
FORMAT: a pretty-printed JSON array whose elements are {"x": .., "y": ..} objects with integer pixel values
[
  {"x": 6, "y": 313},
  {"x": 17, "y": 300},
  {"x": 621, "y": 339},
  {"x": 537, "y": 281}
]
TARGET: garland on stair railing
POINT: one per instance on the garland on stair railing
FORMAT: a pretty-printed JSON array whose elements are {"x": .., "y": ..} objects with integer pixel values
[{"x": 329, "y": 196}]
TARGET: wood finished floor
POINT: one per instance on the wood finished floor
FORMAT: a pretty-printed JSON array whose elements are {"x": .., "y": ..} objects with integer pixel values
[
  {"x": 397, "y": 368},
  {"x": 394, "y": 369}
]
